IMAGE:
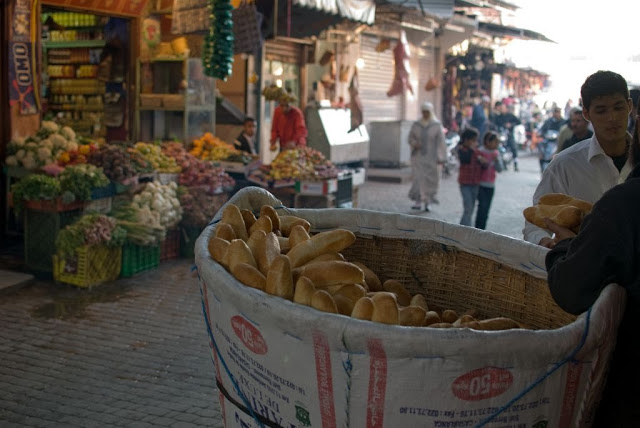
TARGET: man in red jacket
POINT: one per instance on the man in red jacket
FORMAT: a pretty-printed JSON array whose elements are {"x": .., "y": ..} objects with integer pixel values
[{"x": 288, "y": 127}]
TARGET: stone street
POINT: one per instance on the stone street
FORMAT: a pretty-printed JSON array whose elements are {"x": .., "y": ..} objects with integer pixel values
[{"x": 135, "y": 352}]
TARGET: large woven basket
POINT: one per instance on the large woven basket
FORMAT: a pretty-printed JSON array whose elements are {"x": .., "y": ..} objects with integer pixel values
[{"x": 347, "y": 372}]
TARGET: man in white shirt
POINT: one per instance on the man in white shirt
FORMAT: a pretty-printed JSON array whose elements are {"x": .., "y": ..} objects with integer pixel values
[{"x": 593, "y": 166}]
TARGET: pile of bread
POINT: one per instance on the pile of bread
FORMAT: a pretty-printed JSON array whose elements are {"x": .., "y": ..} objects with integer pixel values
[
  {"x": 277, "y": 255},
  {"x": 562, "y": 209}
]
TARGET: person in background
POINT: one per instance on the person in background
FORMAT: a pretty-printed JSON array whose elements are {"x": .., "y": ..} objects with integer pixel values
[
  {"x": 428, "y": 153},
  {"x": 606, "y": 250},
  {"x": 480, "y": 113},
  {"x": 469, "y": 174},
  {"x": 579, "y": 130},
  {"x": 554, "y": 123},
  {"x": 506, "y": 120},
  {"x": 288, "y": 127},
  {"x": 486, "y": 186},
  {"x": 593, "y": 166},
  {"x": 246, "y": 141}
]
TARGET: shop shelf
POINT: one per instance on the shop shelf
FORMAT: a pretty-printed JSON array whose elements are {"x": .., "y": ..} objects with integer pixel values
[{"x": 74, "y": 44}]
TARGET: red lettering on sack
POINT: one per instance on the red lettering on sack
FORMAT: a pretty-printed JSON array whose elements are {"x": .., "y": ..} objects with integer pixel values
[
  {"x": 480, "y": 384},
  {"x": 377, "y": 383},
  {"x": 325, "y": 379},
  {"x": 249, "y": 335},
  {"x": 570, "y": 392}
]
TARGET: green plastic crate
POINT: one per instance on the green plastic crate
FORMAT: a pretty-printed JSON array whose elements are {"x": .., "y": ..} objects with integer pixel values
[{"x": 136, "y": 258}]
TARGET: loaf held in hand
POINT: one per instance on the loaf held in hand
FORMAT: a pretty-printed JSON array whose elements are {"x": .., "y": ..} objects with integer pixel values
[{"x": 562, "y": 209}]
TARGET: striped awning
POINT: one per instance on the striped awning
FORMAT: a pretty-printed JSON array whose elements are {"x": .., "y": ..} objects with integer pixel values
[
  {"x": 436, "y": 8},
  {"x": 511, "y": 32}
]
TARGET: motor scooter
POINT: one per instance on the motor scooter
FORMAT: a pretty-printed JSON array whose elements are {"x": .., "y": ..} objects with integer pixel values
[
  {"x": 505, "y": 154},
  {"x": 451, "y": 164},
  {"x": 547, "y": 148}
]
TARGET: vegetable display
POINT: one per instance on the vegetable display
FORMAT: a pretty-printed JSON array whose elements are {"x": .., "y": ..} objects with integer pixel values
[
  {"x": 209, "y": 147},
  {"x": 43, "y": 148},
  {"x": 91, "y": 229},
  {"x": 158, "y": 160},
  {"x": 77, "y": 181},
  {"x": 115, "y": 162},
  {"x": 198, "y": 207},
  {"x": 196, "y": 172},
  {"x": 161, "y": 202},
  {"x": 303, "y": 163}
]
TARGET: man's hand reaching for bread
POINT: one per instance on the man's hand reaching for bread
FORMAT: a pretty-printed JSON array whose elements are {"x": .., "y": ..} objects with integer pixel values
[{"x": 560, "y": 233}]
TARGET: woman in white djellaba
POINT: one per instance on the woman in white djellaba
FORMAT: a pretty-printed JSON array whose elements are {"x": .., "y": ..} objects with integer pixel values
[{"x": 428, "y": 154}]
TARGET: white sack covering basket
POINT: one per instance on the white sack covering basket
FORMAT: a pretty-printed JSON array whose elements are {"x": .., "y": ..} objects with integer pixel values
[{"x": 278, "y": 363}]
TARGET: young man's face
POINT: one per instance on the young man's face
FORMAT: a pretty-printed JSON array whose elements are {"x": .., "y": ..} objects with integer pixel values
[
  {"x": 250, "y": 128},
  {"x": 609, "y": 115},
  {"x": 285, "y": 106}
]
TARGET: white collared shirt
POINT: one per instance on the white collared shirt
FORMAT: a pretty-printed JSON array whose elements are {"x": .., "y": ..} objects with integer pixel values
[{"x": 582, "y": 171}]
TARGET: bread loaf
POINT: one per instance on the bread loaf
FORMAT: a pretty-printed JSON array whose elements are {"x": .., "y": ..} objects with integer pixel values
[
  {"x": 262, "y": 223},
  {"x": 225, "y": 231},
  {"x": 563, "y": 215},
  {"x": 239, "y": 252},
  {"x": 562, "y": 199},
  {"x": 370, "y": 278},
  {"x": 288, "y": 221},
  {"x": 268, "y": 248},
  {"x": 363, "y": 309},
  {"x": 334, "y": 240},
  {"x": 396, "y": 287},
  {"x": 324, "y": 274},
  {"x": 249, "y": 275},
  {"x": 279, "y": 279},
  {"x": 218, "y": 248},
  {"x": 420, "y": 301},
  {"x": 249, "y": 219},
  {"x": 322, "y": 301},
  {"x": 304, "y": 291},
  {"x": 298, "y": 234},
  {"x": 269, "y": 211},
  {"x": 413, "y": 316},
  {"x": 232, "y": 216},
  {"x": 385, "y": 308},
  {"x": 353, "y": 292}
]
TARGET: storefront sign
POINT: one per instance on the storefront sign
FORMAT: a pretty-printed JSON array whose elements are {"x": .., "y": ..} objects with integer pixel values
[
  {"x": 21, "y": 60},
  {"x": 114, "y": 7}
]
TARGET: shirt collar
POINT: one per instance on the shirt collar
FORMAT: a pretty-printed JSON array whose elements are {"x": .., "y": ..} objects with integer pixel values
[{"x": 595, "y": 149}]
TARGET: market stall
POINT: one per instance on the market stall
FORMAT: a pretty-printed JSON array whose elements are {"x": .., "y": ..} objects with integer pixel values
[{"x": 85, "y": 203}]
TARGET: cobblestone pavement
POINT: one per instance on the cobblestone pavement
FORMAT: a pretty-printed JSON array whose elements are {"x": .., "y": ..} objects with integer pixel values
[{"x": 135, "y": 352}]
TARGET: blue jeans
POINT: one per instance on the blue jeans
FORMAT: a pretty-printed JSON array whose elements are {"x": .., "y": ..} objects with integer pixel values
[{"x": 469, "y": 195}]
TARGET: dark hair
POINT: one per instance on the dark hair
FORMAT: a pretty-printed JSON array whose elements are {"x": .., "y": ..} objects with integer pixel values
[
  {"x": 468, "y": 134},
  {"x": 602, "y": 83},
  {"x": 490, "y": 135},
  {"x": 248, "y": 119}
]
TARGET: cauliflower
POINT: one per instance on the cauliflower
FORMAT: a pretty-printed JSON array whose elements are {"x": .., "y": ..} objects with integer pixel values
[
  {"x": 20, "y": 154},
  {"x": 31, "y": 146},
  {"x": 11, "y": 161},
  {"x": 69, "y": 133},
  {"x": 44, "y": 154},
  {"x": 50, "y": 126},
  {"x": 18, "y": 142},
  {"x": 46, "y": 143},
  {"x": 72, "y": 146},
  {"x": 29, "y": 163},
  {"x": 58, "y": 141}
]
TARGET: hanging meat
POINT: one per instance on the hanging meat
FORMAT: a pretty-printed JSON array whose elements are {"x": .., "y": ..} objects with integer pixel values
[
  {"x": 354, "y": 103},
  {"x": 401, "y": 81}
]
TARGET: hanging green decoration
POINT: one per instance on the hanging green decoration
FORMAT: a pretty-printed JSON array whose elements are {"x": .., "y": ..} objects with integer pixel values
[{"x": 217, "y": 55}]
